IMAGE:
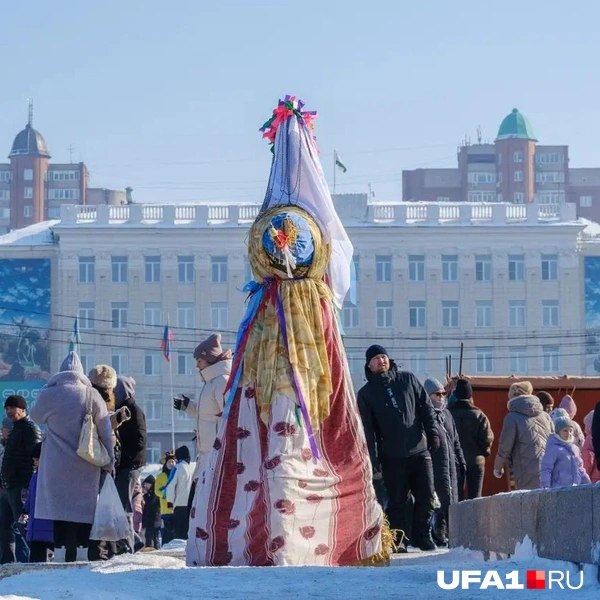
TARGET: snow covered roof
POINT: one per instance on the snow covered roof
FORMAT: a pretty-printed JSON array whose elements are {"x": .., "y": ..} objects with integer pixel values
[
  {"x": 39, "y": 234},
  {"x": 591, "y": 230}
]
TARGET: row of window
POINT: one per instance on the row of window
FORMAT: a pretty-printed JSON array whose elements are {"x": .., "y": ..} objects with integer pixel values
[
  {"x": 483, "y": 267},
  {"x": 53, "y": 211},
  {"x": 153, "y": 315},
  {"x": 50, "y": 176},
  {"x": 484, "y": 314},
  {"x": 541, "y": 158}
]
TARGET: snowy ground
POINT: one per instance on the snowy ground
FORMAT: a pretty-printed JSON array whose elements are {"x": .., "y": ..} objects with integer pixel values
[{"x": 163, "y": 576}]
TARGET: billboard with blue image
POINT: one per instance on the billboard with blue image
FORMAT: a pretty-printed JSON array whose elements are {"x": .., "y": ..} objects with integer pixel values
[{"x": 24, "y": 326}]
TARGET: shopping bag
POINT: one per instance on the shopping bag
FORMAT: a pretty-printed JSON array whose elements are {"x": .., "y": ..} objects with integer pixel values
[
  {"x": 110, "y": 521},
  {"x": 90, "y": 448}
]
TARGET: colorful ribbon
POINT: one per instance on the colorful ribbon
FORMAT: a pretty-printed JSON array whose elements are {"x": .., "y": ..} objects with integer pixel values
[{"x": 287, "y": 108}]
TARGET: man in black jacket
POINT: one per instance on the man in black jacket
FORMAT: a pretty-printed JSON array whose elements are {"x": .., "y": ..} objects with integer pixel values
[
  {"x": 132, "y": 436},
  {"x": 16, "y": 471},
  {"x": 400, "y": 428}
]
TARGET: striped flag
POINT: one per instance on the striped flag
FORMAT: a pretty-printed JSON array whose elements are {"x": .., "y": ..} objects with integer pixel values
[
  {"x": 338, "y": 162},
  {"x": 75, "y": 337},
  {"x": 165, "y": 343}
]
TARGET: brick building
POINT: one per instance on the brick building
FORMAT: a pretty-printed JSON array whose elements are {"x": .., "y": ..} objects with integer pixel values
[{"x": 515, "y": 168}]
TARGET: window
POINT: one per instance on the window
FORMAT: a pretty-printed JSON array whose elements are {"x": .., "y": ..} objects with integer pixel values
[
  {"x": 484, "y": 314},
  {"x": 443, "y": 199},
  {"x": 519, "y": 197},
  {"x": 153, "y": 449},
  {"x": 518, "y": 361},
  {"x": 185, "y": 365},
  {"x": 549, "y": 158},
  {"x": 54, "y": 212},
  {"x": 119, "y": 266},
  {"x": 87, "y": 360},
  {"x": 152, "y": 269},
  {"x": 383, "y": 268},
  {"x": 550, "y": 177},
  {"x": 63, "y": 175},
  {"x": 218, "y": 315},
  {"x": 28, "y": 193},
  {"x": 383, "y": 313},
  {"x": 550, "y": 197},
  {"x": 119, "y": 315},
  {"x": 518, "y": 157},
  {"x": 500, "y": 177},
  {"x": 550, "y": 316},
  {"x": 152, "y": 315},
  {"x": 63, "y": 194},
  {"x": 5, "y": 175},
  {"x": 87, "y": 269},
  {"x": 450, "y": 314},
  {"x": 356, "y": 260},
  {"x": 500, "y": 198},
  {"x": 219, "y": 269},
  {"x": 550, "y": 359},
  {"x": 185, "y": 269},
  {"x": 185, "y": 315},
  {"x": 86, "y": 315},
  {"x": 482, "y": 177},
  {"x": 418, "y": 361},
  {"x": 27, "y": 174},
  {"x": 350, "y": 315},
  {"x": 516, "y": 267},
  {"x": 518, "y": 175},
  {"x": 153, "y": 407},
  {"x": 28, "y": 211},
  {"x": 417, "y": 314},
  {"x": 119, "y": 361},
  {"x": 584, "y": 201},
  {"x": 152, "y": 363},
  {"x": 4, "y": 213},
  {"x": 416, "y": 268},
  {"x": 449, "y": 267},
  {"x": 4, "y": 194},
  {"x": 482, "y": 196},
  {"x": 483, "y": 267},
  {"x": 516, "y": 313},
  {"x": 484, "y": 360},
  {"x": 549, "y": 267}
]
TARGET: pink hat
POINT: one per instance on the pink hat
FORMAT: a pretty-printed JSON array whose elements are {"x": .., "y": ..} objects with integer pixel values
[
  {"x": 587, "y": 421},
  {"x": 569, "y": 405},
  {"x": 210, "y": 349}
]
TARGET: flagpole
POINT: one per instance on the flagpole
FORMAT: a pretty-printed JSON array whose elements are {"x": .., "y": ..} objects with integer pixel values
[{"x": 172, "y": 394}]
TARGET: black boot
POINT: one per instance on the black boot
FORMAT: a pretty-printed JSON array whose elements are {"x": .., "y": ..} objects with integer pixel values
[{"x": 425, "y": 543}]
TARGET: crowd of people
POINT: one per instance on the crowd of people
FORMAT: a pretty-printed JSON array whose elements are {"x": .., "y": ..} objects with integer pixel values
[{"x": 428, "y": 445}]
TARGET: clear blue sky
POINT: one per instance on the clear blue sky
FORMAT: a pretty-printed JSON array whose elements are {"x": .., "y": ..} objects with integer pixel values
[{"x": 168, "y": 97}]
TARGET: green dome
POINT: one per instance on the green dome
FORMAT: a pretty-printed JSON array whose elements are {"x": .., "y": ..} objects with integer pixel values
[{"x": 516, "y": 125}]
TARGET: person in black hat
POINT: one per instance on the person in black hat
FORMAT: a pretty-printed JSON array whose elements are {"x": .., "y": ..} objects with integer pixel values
[
  {"x": 476, "y": 438},
  {"x": 151, "y": 520},
  {"x": 178, "y": 491},
  {"x": 400, "y": 428},
  {"x": 17, "y": 469}
]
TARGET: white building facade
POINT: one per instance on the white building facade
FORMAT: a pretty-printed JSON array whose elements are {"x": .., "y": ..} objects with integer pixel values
[{"x": 506, "y": 280}]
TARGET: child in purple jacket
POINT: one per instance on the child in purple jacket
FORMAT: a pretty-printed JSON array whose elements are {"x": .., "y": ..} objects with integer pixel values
[
  {"x": 40, "y": 532},
  {"x": 562, "y": 464}
]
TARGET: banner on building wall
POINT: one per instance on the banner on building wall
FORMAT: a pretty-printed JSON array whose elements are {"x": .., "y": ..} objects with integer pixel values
[
  {"x": 24, "y": 327},
  {"x": 592, "y": 314}
]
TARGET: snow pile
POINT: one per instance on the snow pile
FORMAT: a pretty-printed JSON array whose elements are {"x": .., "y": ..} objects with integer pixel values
[{"x": 159, "y": 576}]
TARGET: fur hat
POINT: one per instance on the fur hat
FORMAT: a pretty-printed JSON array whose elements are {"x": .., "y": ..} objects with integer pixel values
[
  {"x": 561, "y": 423},
  {"x": 16, "y": 401},
  {"x": 432, "y": 385},
  {"x": 210, "y": 349},
  {"x": 463, "y": 390},
  {"x": 103, "y": 376},
  {"x": 569, "y": 405},
  {"x": 520, "y": 388},
  {"x": 373, "y": 351}
]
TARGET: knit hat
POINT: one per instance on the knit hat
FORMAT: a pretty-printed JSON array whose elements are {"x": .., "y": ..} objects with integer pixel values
[
  {"x": 103, "y": 376},
  {"x": 37, "y": 450},
  {"x": 72, "y": 363},
  {"x": 373, "y": 351},
  {"x": 125, "y": 389},
  {"x": 210, "y": 349},
  {"x": 520, "y": 388},
  {"x": 561, "y": 423},
  {"x": 183, "y": 453},
  {"x": 569, "y": 405},
  {"x": 558, "y": 413},
  {"x": 15, "y": 401},
  {"x": 545, "y": 398},
  {"x": 432, "y": 385},
  {"x": 463, "y": 390},
  {"x": 588, "y": 420}
]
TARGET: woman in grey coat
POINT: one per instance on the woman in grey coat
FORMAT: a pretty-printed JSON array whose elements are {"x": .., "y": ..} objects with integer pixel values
[
  {"x": 523, "y": 439},
  {"x": 68, "y": 486}
]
